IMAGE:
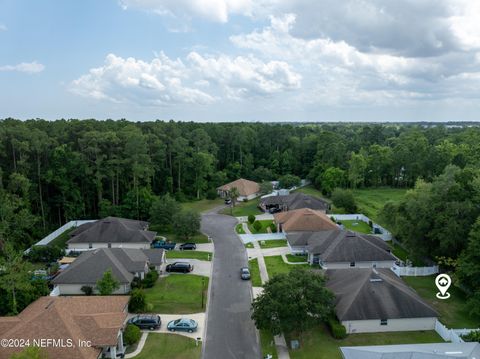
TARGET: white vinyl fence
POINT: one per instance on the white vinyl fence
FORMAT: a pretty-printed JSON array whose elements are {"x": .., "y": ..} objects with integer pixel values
[
  {"x": 451, "y": 335},
  {"x": 414, "y": 271},
  {"x": 385, "y": 234}
]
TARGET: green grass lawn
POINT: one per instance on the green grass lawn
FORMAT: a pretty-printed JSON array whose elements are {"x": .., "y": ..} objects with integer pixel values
[
  {"x": 169, "y": 346},
  {"x": 273, "y": 243},
  {"x": 255, "y": 273},
  {"x": 244, "y": 208},
  {"x": 357, "y": 226},
  {"x": 312, "y": 191},
  {"x": 239, "y": 228},
  {"x": 249, "y": 245},
  {"x": 267, "y": 344},
  {"x": 296, "y": 259},
  {"x": 178, "y": 293},
  {"x": 203, "y": 205},
  {"x": 198, "y": 238},
  {"x": 402, "y": 254},
  {"x": 61, "y": 240},
  {"x": 276, "y": 265},
  {"x": 452, "y": 311},
  {"x": 264, "y": 227},
  {"x": 203, "y": 256},
  {"x": 319, "y": 344}
]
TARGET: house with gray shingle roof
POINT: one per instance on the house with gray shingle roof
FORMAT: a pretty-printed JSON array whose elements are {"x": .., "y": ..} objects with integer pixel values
[
  {"x": 376, "y": 300},
  {"x": 125, "y": 264},
  {"x": 293, "y": 201}
]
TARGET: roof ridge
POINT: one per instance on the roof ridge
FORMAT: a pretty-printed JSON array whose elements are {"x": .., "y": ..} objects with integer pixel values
[
  {"x": 116, "y": 262},
  {"x": 372, "y": 244},
  {"x": 336, "y": 241}
]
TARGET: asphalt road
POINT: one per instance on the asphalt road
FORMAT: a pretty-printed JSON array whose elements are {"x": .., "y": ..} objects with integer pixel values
[{"x": 231, "y": 333}]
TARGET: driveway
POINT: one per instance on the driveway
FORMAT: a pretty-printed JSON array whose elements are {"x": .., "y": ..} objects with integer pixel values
[
  {"x": 199, "y": 267},
  {"x": 230, "y": 333}
]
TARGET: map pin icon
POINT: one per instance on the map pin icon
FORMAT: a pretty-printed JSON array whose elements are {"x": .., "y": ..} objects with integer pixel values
[{"x": 443, "y": 282}]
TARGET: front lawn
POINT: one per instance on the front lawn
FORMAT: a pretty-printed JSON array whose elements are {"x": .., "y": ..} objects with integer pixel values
[
  {"x": 296, "y": 259},
  {"x": 265, "y": 224},
  {"x": 170, "y": 346},
  {"x": 267, "y": 344},
  {"x": 198, "y": 238},
  {"x": 356, "y": 226},
  {"x": 452, "y": 311},
  {"x": 273, "y": 243},
  {"x": 178, "y": 293},
  {"x": 61, "y": 240},
  {"x": 203, "y": 256},
  {"x": 319, "y": 344},
  {"x": 243, "y": 209},
  {"x": 202, "y": 205},
  {"x": 255, "y": 273},
  {"x": 276, "y": 265}
]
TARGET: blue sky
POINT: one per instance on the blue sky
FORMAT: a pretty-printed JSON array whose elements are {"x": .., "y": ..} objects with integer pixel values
[{"x": 233, "y": 60}]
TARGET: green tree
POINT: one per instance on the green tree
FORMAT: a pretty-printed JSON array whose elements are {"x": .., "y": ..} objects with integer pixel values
[
  {"x": 132, "y": 334},
  {"x": 289, "y": 181},
  {"x": 468, "y": 268},
  {"x": 356, "y": 169},
  {"x": 186, "y": 223},
  {"x": 137, "y": 303},
  {"x": 163, "y": 211},
  {"x": 332, "y": 178},
  {"x": 202, "y": 167},
  {"x": 343, "y": 198},
  {"x": 107, "y": 285},
  {"x": 266, "y": 187}
]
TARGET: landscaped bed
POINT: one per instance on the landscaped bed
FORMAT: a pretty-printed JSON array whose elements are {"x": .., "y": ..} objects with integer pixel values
[
  {"x": 273, "y": 243},
  {"x": 239, "y": 228},
  {"x": 276, "y": 265},
  {"x": 170, "y": 346},
  {"x": 203, "y": 256},
  {"x": 249, "y": 245},
  {"x": 255, "y": 273},
  {"x": 178, "y": 293},
  {"x": 265, "y": 224}
]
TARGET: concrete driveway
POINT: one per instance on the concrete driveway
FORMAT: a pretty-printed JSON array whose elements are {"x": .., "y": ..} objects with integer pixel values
[
  {"x": 205, "y": 247},
  {"x": 199, "y": 267}
]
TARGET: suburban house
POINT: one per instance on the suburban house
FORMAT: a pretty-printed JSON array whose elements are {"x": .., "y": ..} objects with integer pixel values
[
  {"x": 376, "y": 300},
  {"x": 246, "y": 189},
  {"x": 336, "y": 249},
  {"x": 304, "y": 219},
  {"x": 111, "y": 232},
  {"x": 414, "y": 351},
  {"x": 71, "y": 321},
  {"x": 293, "y": 201},
  {"x": 125, "y": 264}
]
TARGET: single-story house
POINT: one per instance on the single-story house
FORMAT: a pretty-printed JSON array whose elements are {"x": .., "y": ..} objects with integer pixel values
[
  {"x": 96, "y": 321},
  {"x": 376, "y": 300},
  {"x": 293, "y": 201},
  {"x": 111, "y": 232},
  {"x": 414, "y": 351},
  {"x": 303, "y": 220},
  {"x": 247, "y": 190},
  {"x": 336, "y": 249},
  {"x": 125, "y": 264}
]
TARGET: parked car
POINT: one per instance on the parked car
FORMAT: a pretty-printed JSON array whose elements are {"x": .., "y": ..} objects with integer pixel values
[
  {"x": 151, "y": 322},
  {"x": 164, "y": 245},
  {"x": 187, "y": 246},
  {"x": 183, "y": 324},
  {"x": 181, "y": 267},
  {"x": 245, "y": 273},
  {"x": 274, "y": 210},
  {"x": 228, "y": 201}
]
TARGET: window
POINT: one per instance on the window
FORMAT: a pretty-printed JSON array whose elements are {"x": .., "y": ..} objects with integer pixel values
[
  {"x": 383, "y": 321},
  {"x": 90, "y": 246},
  {"x": 352, "y": 264}
]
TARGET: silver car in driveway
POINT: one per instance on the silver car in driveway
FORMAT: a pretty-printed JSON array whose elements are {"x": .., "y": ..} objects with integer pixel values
[{"x": 245, "y": 273}]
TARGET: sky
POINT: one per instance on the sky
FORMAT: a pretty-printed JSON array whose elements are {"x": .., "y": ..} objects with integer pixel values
[{"x": 241, "y": 60}]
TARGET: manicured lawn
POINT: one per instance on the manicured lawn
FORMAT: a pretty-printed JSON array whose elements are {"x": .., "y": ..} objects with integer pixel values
[
  {"x": 170, "y": 346},
  {"x": 255, "y": 273},
  {"x": 296, "y": 259},
  {"x": 319, "y": 344},
  {"x": 249, "y": 245},
  {"x": 203, "y": 256},
  {"x": 452, "y": 311},
  {"x": 273, "y": 243},
  {"x": 267, "y": 344},
  {"x": 61, "y": 240},
  {"x": 203, "y": 205},
  {"x": 239, "y": 228},
  {"x": 198, "y": 238},
  {"x": 357, "y": 226},
  {"x": 276, "y": 265},
  {"x": 312, "y": 191},
  {"x": 178, "y": 293},
  {"x": 244, "y": 208},
  {"x": 264, "y": 227}
]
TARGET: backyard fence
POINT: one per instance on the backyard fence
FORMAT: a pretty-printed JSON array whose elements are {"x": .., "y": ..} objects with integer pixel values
[
  {"x": 414, "y": 271},
  {"x": 384, "y": 234},
  {"x": 451, "y": 335}
]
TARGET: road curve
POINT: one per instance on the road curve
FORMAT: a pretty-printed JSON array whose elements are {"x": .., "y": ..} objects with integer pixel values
[{"x": 231, "y": 333}]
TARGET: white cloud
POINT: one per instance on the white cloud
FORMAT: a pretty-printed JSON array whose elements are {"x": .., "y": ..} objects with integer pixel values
[
  {"x": 26, "y": 67},
  {"x": 3, "y": 27}
]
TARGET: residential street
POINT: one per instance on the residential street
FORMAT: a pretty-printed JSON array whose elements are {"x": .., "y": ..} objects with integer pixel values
[{"x": 231, "y": 333}]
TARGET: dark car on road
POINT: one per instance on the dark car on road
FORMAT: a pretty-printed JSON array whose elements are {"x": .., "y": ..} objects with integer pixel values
[
  {"x": 187, "y": 246},
  {"x": 228, "y": 201},
  {"x": 151, "y": 322},
  {"x": 274, "y": 210},
  {"x": 183, "y": 324},
  {"x": 245, "y": 273},
  {"x": 179, "y": 267}
]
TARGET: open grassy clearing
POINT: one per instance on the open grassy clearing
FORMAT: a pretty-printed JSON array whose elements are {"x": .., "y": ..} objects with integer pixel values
[
  {"x": 273, "y": 243},
  {"x": 264, "y": 229},
  {"x": 178, "y": 293},
  {"x": 276, "y": 265},
  {"x": 203, "y": 205},
  {"x": 357, "y": 226},
  {"x": 243, "y": 208},
  {"x": 203, "y": 256},
  {"x": 170, "y": 346},
  {"x": 267, "y": 344},
  {"x": 255, "y": 273}
]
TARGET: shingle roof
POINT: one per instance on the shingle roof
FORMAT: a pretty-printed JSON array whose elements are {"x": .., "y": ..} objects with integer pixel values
[
  {"x": 97, "y": 319},
  {"x": 244, "y": 187},
  {"x": 112, "y": 230},
  {"x": 304, "y": 219},
  {"x": 296, "y": 200},
  {"x": 363, "y": 294},
  {"x": 90, "y": 265}
]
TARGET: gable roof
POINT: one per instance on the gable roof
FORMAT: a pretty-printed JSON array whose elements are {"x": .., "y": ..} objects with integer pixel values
[
  {"x": 90, "y": 265},
  {"x": 112, "y": 230},
  {"x": 304, "y": 219},
  {"x": 363, "y": 294},
  {"x": 244, "y": 187},
  {"x": 296, "y": 200},
  {"x": 96, "y": 318}
]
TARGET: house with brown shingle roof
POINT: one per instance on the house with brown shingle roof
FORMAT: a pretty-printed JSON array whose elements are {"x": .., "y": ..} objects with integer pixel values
[
  {"x": 303, "y": 220},
  {"x": 247, "y": 190},
  {"x": 95, "y": 321}
]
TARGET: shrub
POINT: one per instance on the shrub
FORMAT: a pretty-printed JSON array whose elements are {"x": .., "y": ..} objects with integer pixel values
[
  {"x": 251, "y": 218},
  {"x": 137, "y": 301},
  {"x": 212, "y": 193},
  {"x": 257, "y": 225},
  {"x": 45, "y": 254},
  {"x": 370, "y": 223},
  {"x": 87, "y": 290},
  {"x": 343, "y": 198},
  {"x": 337, "y": 330},
  {"x": 132, "y": 334},
  {"x": 473, "y": 336},
  {"x": 273, "y": 227},
  {"x": 150, "y": 279},
  {"x": 136, "y": 283}
]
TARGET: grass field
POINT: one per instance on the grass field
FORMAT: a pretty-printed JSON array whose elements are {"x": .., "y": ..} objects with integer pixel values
[
  {"x": 357, "y": 226},
  {"x": 169, "y": 346},
  {"x": 202, "y": 205},
  {"x": 203, "y": 256},
  {"x": 243, "y": 208},
  {"x": 267, "y": 344},
  {"x": 198, "y": 238},
  {"x": 263, "y": 229},
  {"x": 61, "y": 240},
  {"x": 273, "y": 243},
  {"x": 178, "y": 293},
  {"x": 255, "y": 273},
  {"x": 319, "y": 344},
  {"x": 276, "y": 265},
  {"x": 296, "y": 259},
  {"x": 452, "y": 311}
]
